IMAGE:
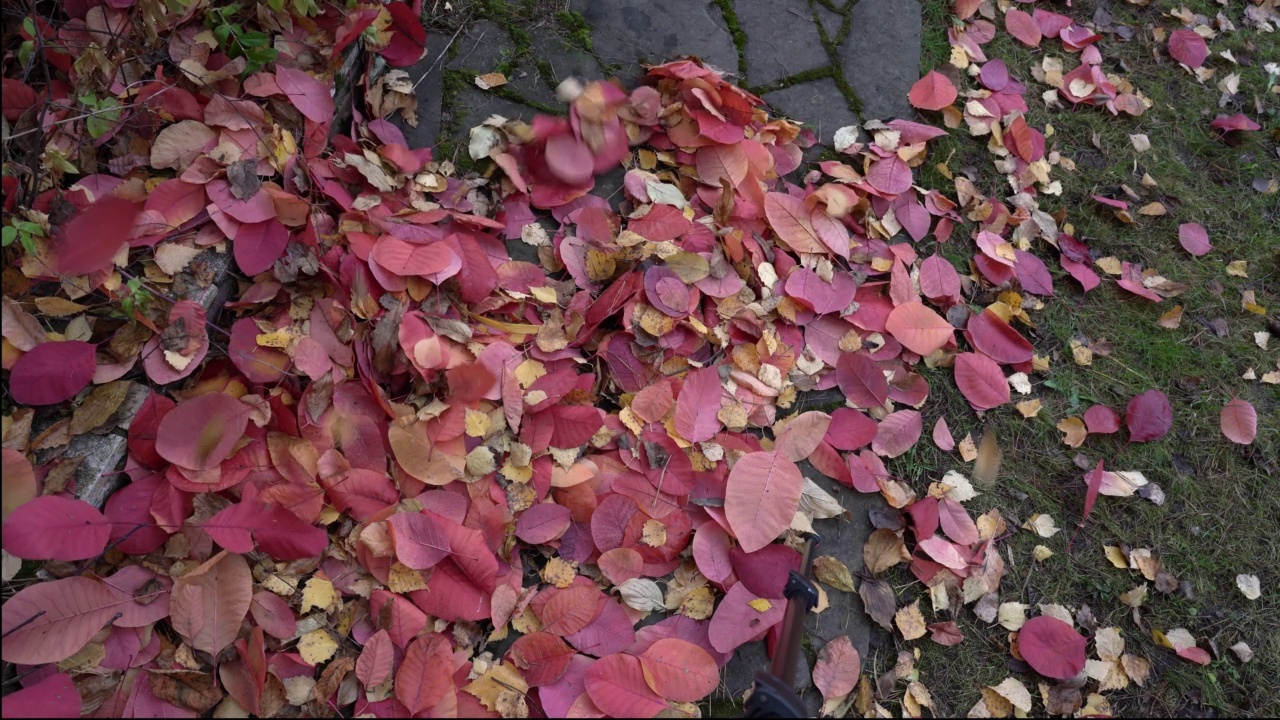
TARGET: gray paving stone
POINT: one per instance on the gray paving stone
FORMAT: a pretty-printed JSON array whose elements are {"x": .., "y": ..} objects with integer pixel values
[
  {"x": 562, "y": 61},
  {"x": 817, "y": 103},
  {"x": 782, "y": 39},
  {"x": 482, "y": 47},
  {"x": 628, "y": 32},
  {"x": 96, "y": 478},
  {"x": 830, "y": 21},
  {"x": 881, "y": 57},
  {"x": 428, "y": 73}
]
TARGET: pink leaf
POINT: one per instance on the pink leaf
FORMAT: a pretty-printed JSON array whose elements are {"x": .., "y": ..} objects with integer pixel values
[
  {"x": 1188, "y": 48},
  {"x": 1239, "y": 421},
  {"x": 1239, "y": 121},
  {"x": 407, "y": 259},
  {"x": 202, "y": 431},
  {"x": 946, "y": 633},
  {"x": 838, "y": 668},
  {"x": 1149, "y": 416},
  {"x": 850, "y": 429},
  {"x": 1194, "y": 238},
  {"x": 1052, "y": 647},
  {"x": 273, "y": 615},
  {"x": 1033, "y": 274},
  {"x": 939, "y": 279},
  {"x": 679, "y": 671},
  {"x": 542, "y": 523},
  {"x": 890, "y": 175},
  {"x": 942, "y": 436},
  {"x": 1023, "y": 27},
  {"x": 736, "y": 622},
  {"x": 956, "y": 523},
  {"x": 761, "y": 498},
  {"x": 861, "y": 380},
  {"x": 259, "y": 364},
  {"x": 309, "y": 95},
  {"x": 918, "y": 328},
  {"x": 56, "y": 528},
  {"x": 1101, "y": 420},
  {"x": 257, "y": 246},
  {"x": 419, "y": 538},
  {"x": 373, "y": 666},
  {"x": 802, "y": 435},
  {"x": 51, "y": 621},
  {"x": 981, "y": 381},
  {"x": 52, "y": 372},
  {"x": 268, "y": 527},
  {"x": 898, "y": 433},
  {"x": 711, "y": 552},
  {"x": 208, "y": 604},
  {"x": 716, "y": 162},
  {"x": 616, "y": 685},
  {"x": 542, "y": 657},
  {"x": 573, "y": 425},
  {"x": 790, "y": 220},
  {"x": 934, "y": 91},
  {"x": 997, "y": 339},
  {"x": 569, "y": 159},
  {"x": 94, "y": 235},
  {"x": 54, "y": 696},
  {"x": 424, "y": 677},
  {"x": 944, "y": 552},
  {"x": 698, "y": 404}
]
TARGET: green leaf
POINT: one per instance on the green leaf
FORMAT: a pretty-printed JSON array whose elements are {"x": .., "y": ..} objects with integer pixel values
[{"x": 8, "y": 235}]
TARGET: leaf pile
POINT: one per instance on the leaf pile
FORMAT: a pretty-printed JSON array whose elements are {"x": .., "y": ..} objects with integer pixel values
[{"x": 470, "y": 431}]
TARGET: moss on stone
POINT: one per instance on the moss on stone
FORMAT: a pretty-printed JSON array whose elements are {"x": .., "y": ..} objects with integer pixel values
[
  {"x": 736, "y": 32},
  {"x": 576, "y": 29}
]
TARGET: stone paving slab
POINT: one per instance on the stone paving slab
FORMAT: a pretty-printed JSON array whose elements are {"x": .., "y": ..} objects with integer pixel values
[
  {"x": 629, "y": 32},
  {"x": 782, "y": 40},
  {"x": 883, "y": 35},
  {"x": 818, "y": 104}
]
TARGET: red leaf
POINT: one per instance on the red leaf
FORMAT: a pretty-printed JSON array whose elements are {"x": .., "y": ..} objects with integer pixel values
[
  {"x": 850, "y": 429},
  {"x": 1149, "y": 416},
  {"x": 722, "y": 161},
  {"x": 54, "y": 696},
  {"x": 1094, "y": 481},
  {"x": 408, "y": 259},
  {"x": 1239, "y": 421},
  {"x": 862, "y": 381},
  {"x": 946, "y": 633},
  {"x": 616, "y": 685},
  {"x": 956, "y": 523},
  {"x": 570, "y": 610},
  {"x": 1188, "y": 48},
  {"x": 257, "y": 246},
  {"x": 898, "y": 433},
  {"x": 944, "y": 552},
  {"x": 373, "y": 666},
  {"x": 208, "y": 604},
  {"x": 1022, "y": 26},
  {"x": 51, "y": 621},
  {"x": 201, "y": 432},
  {"x": 997, "y": 339},
  {"x": 93, "y": 237},
  {"x": 424, "y": 677},
  {"x": 56, "y": 528},
  {"x": 1033, "y": 274},
  {"x": 838, "y": 668},
  {"x": 1194, "y": 238},
  {"x": 268, "y": 527},
  {"x": 621, "y": 564},
  {"x": 52, "y": 372},
  {"x": 698, "y": 404},
  {"x": 1101, "y": 420},
  {"x": 259, "y": 364},
  {"x": 409, "y": 40},
  {"x": 761, "y": 498},
  {"x": 918, "y": 328},
  {"x": 981, "y": 381},
  {"x": 711, "y": 552},
  {"x": 736, "y": 622},
  {"x": 932, "y": 92},
  {"x": 573, "y": 425},
  {"x": 679, "y": 671},
  {"x": 542, "y": 657},
  {"x": 542, "y": 523},
  {"x": 309, "y": 95},
  {"x": 1052, "y": 647}
]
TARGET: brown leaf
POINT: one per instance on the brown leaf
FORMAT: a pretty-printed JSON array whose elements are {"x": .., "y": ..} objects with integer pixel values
[
  {"x": 987, "y": 466},
  {"x": 243, "y": 177},
  {"x": 331, "y": 677},
  {"x": 877, "y": 598},
  {"x": 910, "y": 621},
  {"x": 833, "y": 572},
  {"x": 882, "y": 551},
  {"x": 99, "y": 406},
  {"x": 194, "y": 691}
]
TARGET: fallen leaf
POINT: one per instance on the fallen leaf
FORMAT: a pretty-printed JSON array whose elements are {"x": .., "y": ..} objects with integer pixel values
[
  {"x": 1249, "y": 586},
  {"x": 910, "y": 621}
]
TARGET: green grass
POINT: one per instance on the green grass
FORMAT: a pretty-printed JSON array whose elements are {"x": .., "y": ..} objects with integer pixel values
[{"x": 1221, "y": 499}]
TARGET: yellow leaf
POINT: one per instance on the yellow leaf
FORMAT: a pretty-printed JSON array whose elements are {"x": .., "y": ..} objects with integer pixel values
[
  {"x": 529, "y": 370},
  {"x": 276, "y": 339},
  {"x": 1029, "y": 408},
  {"x": 477, "y": 423},
  {"x": 653, "y": 534},
  {"x": 499, "y": 679},
  {"x": 833, "y": 572},
  {"x": 1153, "y": 209},
  {"x": 760, "y": 604},
  {"x": 1081, "y": 353},
  {"x": 319, "y": 593},
  {"x": 1116, "y": 556},
  {"x": 403, "y": 579},
  {"x": 1073, "y": 431},
  {"x": 1041, "y": 553},
  {"x": 58, "y": 307},
  {"x": 1042, "y": 525},
  {"x": 698, "y": 603},
  {"x": 317, "y": 646},
  {"x": 910, "y": 621},
  {"x": 968, "y": 449},
  {"x": 1238, "y": 268},
  {"x": 543, "y": 294},
  {"x": 1172, "y": 319},
  {"x": 1111, "y": 265},
  {"x": 559, "y": 572},
  {"x": 486, "y": 82}
]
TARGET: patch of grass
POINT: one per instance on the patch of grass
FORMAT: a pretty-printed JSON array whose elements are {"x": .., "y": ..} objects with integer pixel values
[
  {"x": 1221, "y": 500},
  {"x": 736, "y": 32},
  {"x": 576, "y": 29}
]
